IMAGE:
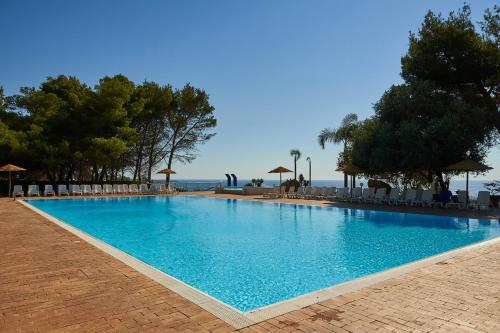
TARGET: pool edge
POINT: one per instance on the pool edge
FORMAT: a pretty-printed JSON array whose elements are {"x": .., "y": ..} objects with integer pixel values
[{"x": 240, "y": 319}]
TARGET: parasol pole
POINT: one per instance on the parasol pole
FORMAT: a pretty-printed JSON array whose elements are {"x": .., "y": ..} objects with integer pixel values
[
  {"x": 466, "y": 188},
  {"x": 10, "y": 182}
]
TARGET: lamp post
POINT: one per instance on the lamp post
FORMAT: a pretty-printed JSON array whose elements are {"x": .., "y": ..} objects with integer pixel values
[{"x": 309, "y": 160}]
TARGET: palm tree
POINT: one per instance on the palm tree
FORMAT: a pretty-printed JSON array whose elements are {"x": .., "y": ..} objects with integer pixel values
[
  {"x": 343, "y": 134},
  {"x": 296, "y": 156}
]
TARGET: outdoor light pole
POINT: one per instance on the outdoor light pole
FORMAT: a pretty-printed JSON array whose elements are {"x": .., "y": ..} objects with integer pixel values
[{"x": 309, "y": 160}]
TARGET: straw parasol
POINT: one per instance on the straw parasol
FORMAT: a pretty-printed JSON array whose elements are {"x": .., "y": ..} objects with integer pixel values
[
  {"x": 280, "y": 170},
  {"x": 167, "y": 172},
  {"x": 350, "y": 169},
  {"x": 11, "y": 168},
  {"x": 467, "y": 165}
]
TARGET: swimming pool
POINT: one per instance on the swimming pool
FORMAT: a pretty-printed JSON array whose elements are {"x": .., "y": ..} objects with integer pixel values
[{"x": 249, "y": 254}]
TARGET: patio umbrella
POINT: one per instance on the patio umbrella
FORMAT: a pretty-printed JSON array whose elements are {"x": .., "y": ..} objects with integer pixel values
[
  {"x": 467, "y": 165},
  {"x": 11, "y": 168},
  {"x": 167, "y": 172},
  {"x": 280, "y": 170}
]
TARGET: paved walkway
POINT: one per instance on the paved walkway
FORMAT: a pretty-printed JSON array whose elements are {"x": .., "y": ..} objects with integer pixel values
[{"x": 50, "y": 281}]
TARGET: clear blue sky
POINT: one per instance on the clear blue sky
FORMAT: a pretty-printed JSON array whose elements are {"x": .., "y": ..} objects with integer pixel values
[{"x": 277, "y": 71}]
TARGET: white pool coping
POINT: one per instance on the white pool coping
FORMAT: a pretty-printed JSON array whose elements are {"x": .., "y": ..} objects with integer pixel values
[{"x": 239, "y": 319}]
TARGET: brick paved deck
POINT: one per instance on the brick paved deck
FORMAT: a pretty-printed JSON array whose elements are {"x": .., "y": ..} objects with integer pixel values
[{"x": 50, "y": 281}]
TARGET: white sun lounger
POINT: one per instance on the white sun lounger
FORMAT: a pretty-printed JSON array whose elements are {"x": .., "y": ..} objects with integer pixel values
[
  {"x": 394, "y": 197},
  {"x": 33, "y": 191},
  {"x": 153, "y": 189},
  {"x": 107, "y": 189},
  {"x": 410, "y": 197},
  {"x": 143, "y": 188},
  {"x": 132, "y": 188},
  {"x": 18, "y": 191},
  {"x": 380, "y": 195},
  {"x": 86, "y": 189},
  {"x": 483, "y": 201},
  {"x": 62, "y": 190},
  {"x": 425, "y": 199},
  {"x": 125, "y": 188},
  {"x": 48, "y": 190},
  {"x": 75, "y": 190},
  {"x": 357, "y": 194},
  {"x": 96, "y": 189}
]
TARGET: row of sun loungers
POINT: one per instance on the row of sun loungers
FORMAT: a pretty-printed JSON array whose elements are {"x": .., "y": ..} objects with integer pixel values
[
  {"x": 407, "y": 197},
  {"x": 96, "y": 189}
]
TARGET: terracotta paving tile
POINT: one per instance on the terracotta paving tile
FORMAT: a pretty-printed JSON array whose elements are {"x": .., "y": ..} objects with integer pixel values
[{"x": 51, "y": 281}]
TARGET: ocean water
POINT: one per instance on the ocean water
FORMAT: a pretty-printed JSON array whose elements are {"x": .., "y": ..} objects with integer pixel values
[
  {"x": 250, "y": 254},
  {"x": 202, "y": 184}
]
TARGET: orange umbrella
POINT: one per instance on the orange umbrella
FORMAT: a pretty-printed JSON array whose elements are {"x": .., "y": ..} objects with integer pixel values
[
  {"x": 11, "y": 168},
  {"x": 167, "y": 172},
  {"x": 280, "y": 170}
]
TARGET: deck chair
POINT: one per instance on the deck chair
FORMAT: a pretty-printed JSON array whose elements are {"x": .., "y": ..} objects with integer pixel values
[
  {"x": 33, "y": 191},
  {"x": 117, "y": 189},
  {"x": 75, "y": 190},
  {"x": 483, "y": 201},
  {"x": 394, "y": 196},
  {"x": 62, "y": 190},
  {"x": 143, "y": 188},
  {"x": 18, "y": 191},
  {"x": 48, "y": 190},
  {"x": 87, "y": 189},
  {"x": 410, "y": 197},
  {"x": 96, "y": 189},
  {"x": 107, "y": 189},
  {"x": 357, "y": 193},
  {"x": 380, "y": 195},
  {"x": 425, "y": 199},
  {"x": 153, "y": 189},
  {"x": 132, "y": 188},
  {"x": 125, "y": 189}
]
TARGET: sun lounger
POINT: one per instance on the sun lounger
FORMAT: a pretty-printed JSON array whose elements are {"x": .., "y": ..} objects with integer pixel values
[
  {"x": 357, "y": 194},
  {"x": 290, "y": 193},
  {"x": 86, "y": 189},
  {"x": 380, "y": 195},
  {"x": 75, "y": 190},
  {"x": 425, "y": 199},
  {"x": 33, "y": 191},
  {"x": 410, "y": 197},
  {"x": 171, "y": 189},
  {"x": 143, "y": 188},
  {"x": 62, "y": 190},
  {"x": 132, "y": 188},
  {"x": 153, "y": 189},
  {"x": 394, "y": 197},
  {"x": 18, "y": 191},
  {"x": 96, "y": 189},
  {"x": 125, "y": 188},
  {"x": 331, "y": 193},
  {"x": 483, "y": 201},
  {"x": 48, "y": 190},
  {"x": 117, "y": 189},
  {"x": 107, "y": 189},
  {"x": 370, "y": 195}
]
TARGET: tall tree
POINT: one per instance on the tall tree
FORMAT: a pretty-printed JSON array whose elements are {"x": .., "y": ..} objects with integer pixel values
[
  {"x": 446, "y": 110},
  {"x": 296, "y": 154},
  {"x": 190, "y": 123},
  {"x": 343, "y": 134}
]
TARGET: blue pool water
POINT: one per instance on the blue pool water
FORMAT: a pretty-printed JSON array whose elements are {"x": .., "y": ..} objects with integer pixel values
[{"x": 251, "y": 254}]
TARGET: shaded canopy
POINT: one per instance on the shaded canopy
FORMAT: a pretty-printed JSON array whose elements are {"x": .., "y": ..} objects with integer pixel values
[
  {"x": 11, "y": 167},
  {"x": 167, "y": 171},
  {"x": 468, "y": 165},
  {"x": 280, "y": 169},
  {"x": 350, "y": 169}
]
